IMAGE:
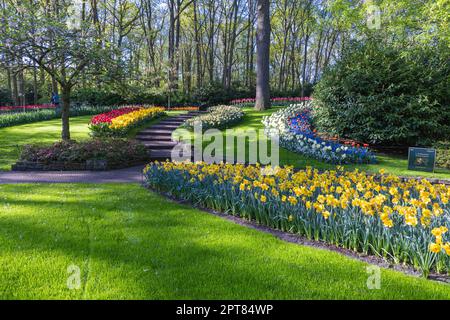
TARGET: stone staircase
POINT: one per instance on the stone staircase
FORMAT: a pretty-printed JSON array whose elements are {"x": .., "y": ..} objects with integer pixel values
[{"x": 158, "y": 138}]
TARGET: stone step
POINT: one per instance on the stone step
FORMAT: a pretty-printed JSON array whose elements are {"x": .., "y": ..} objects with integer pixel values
[
  {"x": 158, "y": 154},
  {"x": 156, "y": 132},
  {"x": 164, "y": 126},
  {"x": 155, "y": 144},
  {"x": 171, "y": 122},
  {"x": 154, "y": 138}
]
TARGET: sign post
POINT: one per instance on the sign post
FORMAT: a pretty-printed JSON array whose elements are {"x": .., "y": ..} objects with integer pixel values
[{"x": 421, "y": 159}]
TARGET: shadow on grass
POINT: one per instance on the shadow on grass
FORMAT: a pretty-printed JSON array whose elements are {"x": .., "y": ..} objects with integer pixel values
[{"x": 136, "y": 244}]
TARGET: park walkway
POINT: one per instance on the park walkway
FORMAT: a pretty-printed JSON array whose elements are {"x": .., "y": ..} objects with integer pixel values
[
  {"x": 157, "y": 138},
  {"x": 128, "y": 175}
]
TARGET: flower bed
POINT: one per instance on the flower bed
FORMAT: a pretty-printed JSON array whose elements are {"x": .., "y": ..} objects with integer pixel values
[
  {"x": 108, "y": 116},
  {"x": 405, "y": 222},
  {"x": 26, "y": 108},
  {"x": 217, "y": 117},
  {"x": 279, "y": 101},
  {"x": 72, "y": 155},
  {"x": 120, "y": 121},
  {"x": 293, "y": 126},
  {"x": 183, "y": 108}
]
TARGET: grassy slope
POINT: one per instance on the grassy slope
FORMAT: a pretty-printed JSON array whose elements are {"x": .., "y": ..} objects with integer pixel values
[
  {"x": 38, "y": 132},
  {"x": 391, "y": 164},
  {"x": 132, "y": 244},
  {"x": 46, "y": 132}
]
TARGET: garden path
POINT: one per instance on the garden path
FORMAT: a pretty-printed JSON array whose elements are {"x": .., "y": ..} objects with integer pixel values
[
  {"x": 128, "y": 175},
  {"x": 157, "y": 138}
]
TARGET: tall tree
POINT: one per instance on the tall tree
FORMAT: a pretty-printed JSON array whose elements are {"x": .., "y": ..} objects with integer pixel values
[
  {"x": 55, "y": 41},
  {"x": 263, "y": 56}
]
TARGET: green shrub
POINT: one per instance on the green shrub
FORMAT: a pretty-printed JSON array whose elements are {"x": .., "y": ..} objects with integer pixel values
[
  {"x": 5, "y": 97},
  {"x": 215, "y": 93},
  {"x": 95, "y": 97},
  {"x": 443, "y": 154},
  {"x": 386, "y": 95},
  {"x": 111, "y": 150}
]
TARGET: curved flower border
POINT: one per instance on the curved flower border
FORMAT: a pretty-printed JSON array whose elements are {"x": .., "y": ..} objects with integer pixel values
[{"x": 293, "y": 126}]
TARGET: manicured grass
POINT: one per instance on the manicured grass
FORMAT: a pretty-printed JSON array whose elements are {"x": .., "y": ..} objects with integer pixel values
[
  {"x": 391, "y": 164},
  {"x": 45, "y": 132},
  {"x": 133, "y": 244}
]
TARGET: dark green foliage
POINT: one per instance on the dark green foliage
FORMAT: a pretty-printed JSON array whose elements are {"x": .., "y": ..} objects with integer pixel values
[
  {"x": 443, "y": 154},
  {"x": 112, "y": 150},
  {"x": 309, "y": 89},
  {"x": 5, "y": 97},
  {"x": 215, "y": 94},
  {"x": 95, "y": 97},
  {"x": 386, "y": 95}
]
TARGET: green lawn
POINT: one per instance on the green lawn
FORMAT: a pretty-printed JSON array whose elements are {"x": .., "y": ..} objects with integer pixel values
[
  {"x": 392, "y": 164},
  {"x": 45, "y": 132},
  {"x": 12, "y": 138},
  {"x": 133, "y": 244}
]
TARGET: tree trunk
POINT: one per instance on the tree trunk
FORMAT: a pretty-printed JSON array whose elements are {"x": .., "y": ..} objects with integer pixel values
[
  {"x": 35, "y": 85},
  {"x": 65, "y": 113},
  {"x": 22, "y": 97},
  {"x": 305, "y": 57},
  {"x": 8, "y": 74},
  {"x": 54, "y": 85},
  {"x": 198, "y": 47},
  {"x": 263, "y": 55},
  {"x": 15, "y": 89}
]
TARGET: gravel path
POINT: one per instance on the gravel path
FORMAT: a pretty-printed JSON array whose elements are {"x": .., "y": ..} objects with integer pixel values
[{"x": 128, "y": 175}]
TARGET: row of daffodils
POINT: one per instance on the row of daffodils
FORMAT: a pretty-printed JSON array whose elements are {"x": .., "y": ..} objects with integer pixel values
[
  {"x": 118, "y": 122},
  {"x": 218, "y": 117},
  {"x": 293, "y": 127},
  {"x": 406, "y": 222}
]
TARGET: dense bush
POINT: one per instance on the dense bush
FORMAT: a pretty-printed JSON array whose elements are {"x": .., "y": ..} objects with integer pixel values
[
  {"x": 5, "y": 97},
  {"x": 208, "y": 94},
  {"x": 218, "y": 117},
  {"x": 12, "y": 119},
  {"x": 95, "y": 97},
  {"x": 214, "y": 94},
  {"x": 386, "y": 95},
  {"x": 111, "y": 150},
  {"x": 442, "y": 154}
]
